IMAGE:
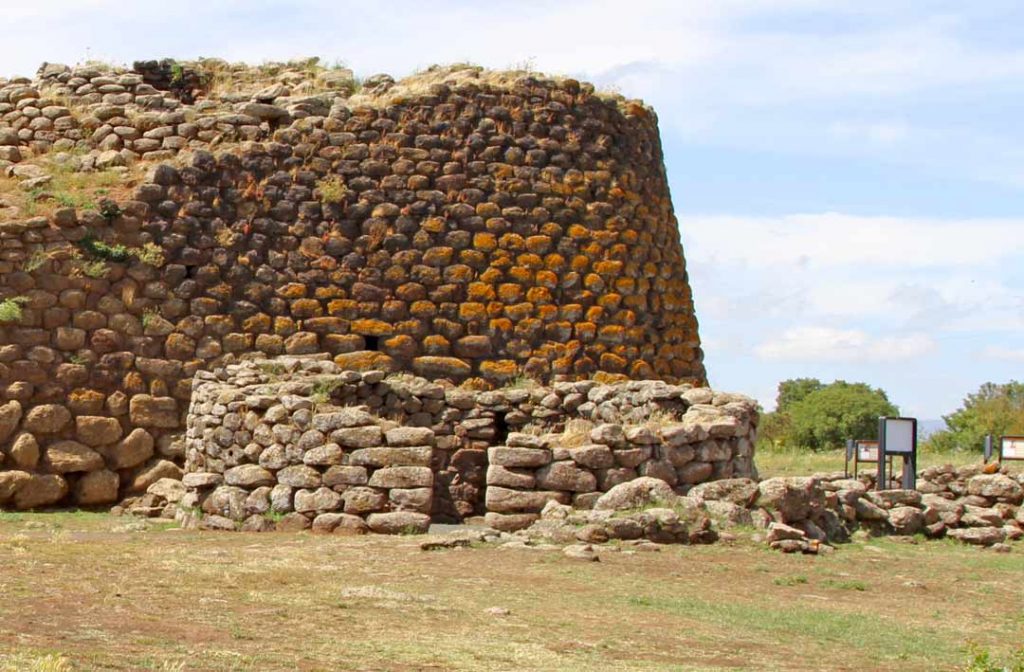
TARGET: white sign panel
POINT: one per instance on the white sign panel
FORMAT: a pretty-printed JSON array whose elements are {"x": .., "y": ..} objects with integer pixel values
[
  {"x": 867, "y": 451},
  {"x": 1013, "y": 448},
  {"x": 899, "y": 435}
]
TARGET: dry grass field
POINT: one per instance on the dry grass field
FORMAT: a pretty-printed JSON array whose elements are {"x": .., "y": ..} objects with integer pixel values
[
  {"x": 802, "y": 462},
  {"x": 87, "y": 591}
]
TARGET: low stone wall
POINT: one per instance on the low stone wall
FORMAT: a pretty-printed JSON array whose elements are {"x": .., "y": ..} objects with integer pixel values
[
  {"x": 963, "y": 503},
  {"x": 799, "y": 514},
  {"x": 291, "y": 443}
]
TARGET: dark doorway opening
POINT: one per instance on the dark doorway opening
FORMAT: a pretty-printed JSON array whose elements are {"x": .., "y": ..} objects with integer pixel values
[{"x": 500, "y": 429}]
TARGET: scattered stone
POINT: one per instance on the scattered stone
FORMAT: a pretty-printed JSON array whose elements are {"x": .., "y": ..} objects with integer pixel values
[{"x": 584, "y": 552}]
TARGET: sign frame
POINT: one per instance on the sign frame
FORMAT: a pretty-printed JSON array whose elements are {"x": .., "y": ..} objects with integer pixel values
[
  {"x": 1002, "y": 447},
  {"x": 908, "y": 451},
  {"x": 855, "y": 452}
]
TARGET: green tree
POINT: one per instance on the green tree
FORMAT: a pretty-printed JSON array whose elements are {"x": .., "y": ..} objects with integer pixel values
[
  {"x": 993, "y": 409},
  {"x": 827, "y": 417},
  {"x": 794, "y": 390}
]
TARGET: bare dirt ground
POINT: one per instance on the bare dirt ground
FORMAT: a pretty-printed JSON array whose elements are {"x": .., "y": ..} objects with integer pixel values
[{"x": 81, "y": 591}]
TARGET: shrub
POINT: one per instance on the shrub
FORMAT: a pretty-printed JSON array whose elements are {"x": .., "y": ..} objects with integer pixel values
[
  {"x": 826, "y": 418},
  {"x": 996, "y": 409},
  {"x": 982, "y": 661}
]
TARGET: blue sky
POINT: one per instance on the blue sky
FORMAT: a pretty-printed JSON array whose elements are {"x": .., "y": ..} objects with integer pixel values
[{"x": 848, "y": 175}]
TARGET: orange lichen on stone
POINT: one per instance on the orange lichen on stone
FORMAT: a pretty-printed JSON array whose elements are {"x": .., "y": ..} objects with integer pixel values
[
  {"x": 499, "y": 370},
  {"x": 607, "y": 378},
  {"x": 433, "y": 225},
  {"x": 547, "y": 312},
  {"x": 342, "y": 308},
  {"x": 484, "y": 241},
  {"x": 501, "y": 327},
  {"x": 438, "y": 256},
  {"x": 585, "y": 331},
  {"x": 608, "y": 268},
  {"x": 258, "y": 323},
  {"x": 284, "y": 326},
  {"x": 593, "y": 282},
  {"x": 546, "y": 279},
  {"x": 518, "y": 311},
  {"x": 491, "y": 276},
  {"x": 472, "y": 311},
  {"x": 613, "y": 363},
  {"x": 480, "y": 292},
  {"x": 558, "y": 331},
  {"x": 538, "y": 244},
  {"x": 402, "y": 346},
  {"x": 292, "y": 290},
  {"x": 539, "y": 295},
  {"x": 609, "y": 301},
  {"x": 528, "y": 328},
  {"x": 302, "y": 308},
  {"x": 510, "y": 292},
  {"x": 580, "y": 263},
  {"x": 435, "y": 344},
  {"x": 578, "y": 232},
  {"x": 611, "y": 333},
  {"x": 530, "y": 260},
  {"x": 366, "y": 360},
  {"x": 423, "y": 309},
  {"x": 520, "y": 274},
  {"x": 371, "y": 327},
  {"x": 512, "y": 242},
  {"x": 434, "y": 367}
]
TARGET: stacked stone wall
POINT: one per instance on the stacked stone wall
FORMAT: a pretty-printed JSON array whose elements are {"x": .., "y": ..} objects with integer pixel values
[
  {"x": 294, "y": 443},
  {"x": 477, "y": 228}
]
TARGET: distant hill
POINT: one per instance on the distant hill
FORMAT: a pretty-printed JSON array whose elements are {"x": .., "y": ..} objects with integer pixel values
[{"x": 926, "y": 428}]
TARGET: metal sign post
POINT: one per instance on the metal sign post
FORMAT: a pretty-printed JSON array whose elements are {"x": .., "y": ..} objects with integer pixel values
[
  {"x": 850, "y": 447},
  {"x": 1011, "y": 448},
  {"x": 898, "y": 436},
  {"x": 988, "y": 448}
]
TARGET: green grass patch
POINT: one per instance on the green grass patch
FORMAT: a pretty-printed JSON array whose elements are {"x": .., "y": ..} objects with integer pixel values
[
  {"x": 796, "y": 580},
  {"x": 878, "y": 638}
]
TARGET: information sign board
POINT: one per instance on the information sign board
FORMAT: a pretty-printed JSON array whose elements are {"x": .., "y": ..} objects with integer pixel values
[
  {"x": 867, "y": 451},
  {"x": 897, "y": 436},
  {"x": 1011, "y": 448}
]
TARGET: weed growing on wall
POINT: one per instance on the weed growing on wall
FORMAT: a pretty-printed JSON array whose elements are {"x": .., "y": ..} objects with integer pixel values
[
  {"x": 10, "y": 309},
  {"x": 36, "y": 261},
  {"x": 148, "y": 315},
  {"x": 94, "y": 269},
  {"x": 332, "y": 189},
  {"x": 100, "y": 250},
  {"x": 150, "y": 254}
]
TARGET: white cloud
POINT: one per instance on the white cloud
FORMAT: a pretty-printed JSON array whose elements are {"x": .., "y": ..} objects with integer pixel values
[
  {"x": 878, "y": 132},
  {"x": 1008, "y": 354},
  {"x": 833, "y": 239},
  {"x": 811, "y": 343}
]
